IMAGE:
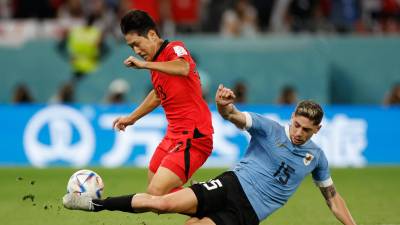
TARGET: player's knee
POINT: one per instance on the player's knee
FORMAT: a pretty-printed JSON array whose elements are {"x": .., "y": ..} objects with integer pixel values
[
  {"x": 165, "y": 204},
  {"x": 154, "y": 190}
]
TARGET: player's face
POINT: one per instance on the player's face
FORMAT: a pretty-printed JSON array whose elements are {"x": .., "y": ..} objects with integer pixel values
[
  {"x": 145, "y": 47},
  {"x": 302, "y": 129}
]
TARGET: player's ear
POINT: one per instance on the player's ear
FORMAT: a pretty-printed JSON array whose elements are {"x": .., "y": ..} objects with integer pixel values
[
  {"x": 152, "y": 35},
  {"x": 317, "y": 129}
]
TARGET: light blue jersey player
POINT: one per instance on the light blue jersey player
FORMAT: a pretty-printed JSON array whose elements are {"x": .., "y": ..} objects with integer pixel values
[
  {"x": 273, "y": 166},
  {"x": 277, "y": 159}
]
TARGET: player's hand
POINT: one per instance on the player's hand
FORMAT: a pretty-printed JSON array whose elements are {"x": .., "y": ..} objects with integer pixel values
[
  {"x": 224, "y": 96},
  {"x": 134, "y": 62},
  {"x": 121, "y": 123}
]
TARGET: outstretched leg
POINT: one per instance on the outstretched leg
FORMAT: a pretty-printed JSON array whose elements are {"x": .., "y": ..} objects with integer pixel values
[{"x": 183, "y": 201}]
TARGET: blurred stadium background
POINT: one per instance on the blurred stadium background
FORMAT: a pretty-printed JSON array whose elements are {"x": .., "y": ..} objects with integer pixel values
[{"x": 62, "y": 83}]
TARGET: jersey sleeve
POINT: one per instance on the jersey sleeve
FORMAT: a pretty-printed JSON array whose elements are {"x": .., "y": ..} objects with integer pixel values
[
  {"x": 176, "y": 51},
  {"x": 258, "y": 124},
  {"x": 321, "y": 174}
]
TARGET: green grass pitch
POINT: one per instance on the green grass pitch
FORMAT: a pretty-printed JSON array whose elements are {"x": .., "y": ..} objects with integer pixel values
[{"x": 372, "y": 194}]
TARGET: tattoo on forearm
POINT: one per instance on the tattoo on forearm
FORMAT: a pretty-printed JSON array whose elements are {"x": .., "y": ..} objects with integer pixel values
[{"x": 328, "y": 192}]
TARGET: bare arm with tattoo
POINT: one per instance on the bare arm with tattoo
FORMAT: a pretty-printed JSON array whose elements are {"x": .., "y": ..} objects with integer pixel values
[{"x": 337, "y": 205}]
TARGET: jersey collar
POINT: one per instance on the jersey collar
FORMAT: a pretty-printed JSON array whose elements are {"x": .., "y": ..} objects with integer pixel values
[{"x": 163, "y": 45}]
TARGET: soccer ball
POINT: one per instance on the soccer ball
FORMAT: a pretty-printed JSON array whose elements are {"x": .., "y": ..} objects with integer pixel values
[{"x": 86, "y": 183}]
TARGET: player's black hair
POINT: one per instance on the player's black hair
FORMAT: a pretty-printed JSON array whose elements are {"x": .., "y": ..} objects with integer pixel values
[
  {"x": 138, "y": 21},
  {"x": 311, "y": 110}
]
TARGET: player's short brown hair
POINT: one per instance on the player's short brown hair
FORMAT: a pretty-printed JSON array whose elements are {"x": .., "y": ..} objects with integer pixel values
[{"x": 311, "y": 110}]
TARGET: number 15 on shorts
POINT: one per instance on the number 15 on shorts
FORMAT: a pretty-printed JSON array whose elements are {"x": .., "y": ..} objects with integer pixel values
[{"x": 212, "y": 184}]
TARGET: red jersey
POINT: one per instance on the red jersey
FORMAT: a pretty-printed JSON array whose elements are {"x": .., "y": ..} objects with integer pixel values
[{"x": 181, "y": 96}]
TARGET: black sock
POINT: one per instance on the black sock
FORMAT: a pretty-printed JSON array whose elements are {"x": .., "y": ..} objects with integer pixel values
[{"x": 120, "y": 203}]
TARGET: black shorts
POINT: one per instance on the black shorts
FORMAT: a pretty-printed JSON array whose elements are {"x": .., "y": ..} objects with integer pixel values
[{"x": 223, "y": 200}]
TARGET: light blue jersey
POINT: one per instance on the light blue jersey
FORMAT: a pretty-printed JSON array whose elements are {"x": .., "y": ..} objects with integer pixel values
[{"x": 273, "y": 168}]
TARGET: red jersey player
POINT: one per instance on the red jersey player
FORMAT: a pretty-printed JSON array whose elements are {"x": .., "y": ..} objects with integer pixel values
[{"x": 176, "y": 86}]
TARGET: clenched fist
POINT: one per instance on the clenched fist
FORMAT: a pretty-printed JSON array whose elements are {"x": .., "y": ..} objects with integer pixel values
[
  {"x": 134, "y": 62},
  {"x": 224, "y": 96}
]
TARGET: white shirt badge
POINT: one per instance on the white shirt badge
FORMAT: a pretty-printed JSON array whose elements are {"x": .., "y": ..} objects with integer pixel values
[
  {"x": 180, "y": 51},
  {"x": 307, "y": 160}
]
